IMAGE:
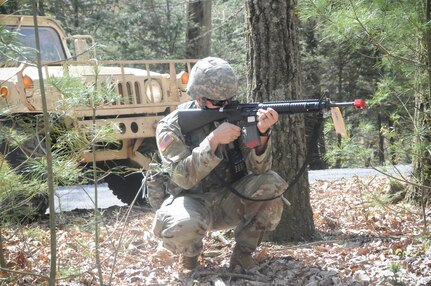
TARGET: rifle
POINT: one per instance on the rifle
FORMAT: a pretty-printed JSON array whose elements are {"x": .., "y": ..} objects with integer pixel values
[{"x": 244, "y": 114}]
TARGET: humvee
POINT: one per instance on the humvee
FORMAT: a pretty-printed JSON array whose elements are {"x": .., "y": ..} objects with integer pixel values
[{"x": 144, "y": 95}]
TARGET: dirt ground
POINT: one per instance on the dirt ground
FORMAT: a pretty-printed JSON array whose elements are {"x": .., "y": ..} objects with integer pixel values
[{"x": 361, "y": 239}]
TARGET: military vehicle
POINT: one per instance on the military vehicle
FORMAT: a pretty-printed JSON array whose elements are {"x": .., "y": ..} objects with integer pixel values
[{"x": 144, "y": 95}]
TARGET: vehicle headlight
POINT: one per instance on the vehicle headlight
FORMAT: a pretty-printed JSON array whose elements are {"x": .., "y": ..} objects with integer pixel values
[
  {"x": 182, "y": 80},
  {"x": 153, "y": 91},
  {"x": 4, "y": 92}
]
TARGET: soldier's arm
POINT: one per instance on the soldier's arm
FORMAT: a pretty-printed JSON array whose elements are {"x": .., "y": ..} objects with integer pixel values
[
  {"x": 258, "y": 161},
  {"x": 186, "y": 166},
  {"x": 223, "y": 134}
]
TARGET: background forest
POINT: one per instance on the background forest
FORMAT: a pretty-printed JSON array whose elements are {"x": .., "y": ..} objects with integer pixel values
[{"x": 344, "y": 66}]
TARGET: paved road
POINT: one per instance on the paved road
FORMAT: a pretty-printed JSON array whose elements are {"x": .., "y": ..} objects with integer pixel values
[
  {"x": 82, "y": 197},
  {"x": 335, "y": 174}
]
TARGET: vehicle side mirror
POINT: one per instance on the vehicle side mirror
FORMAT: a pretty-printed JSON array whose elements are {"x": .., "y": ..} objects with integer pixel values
[
  {"x": 81, "y": 50},
  {"x": 83, "y": 47}
]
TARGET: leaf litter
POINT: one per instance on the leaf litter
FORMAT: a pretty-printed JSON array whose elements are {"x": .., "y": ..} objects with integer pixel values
[{"x": 360, "y": 240}]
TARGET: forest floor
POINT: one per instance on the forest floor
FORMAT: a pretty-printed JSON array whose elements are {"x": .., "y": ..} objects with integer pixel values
[{"x": 361, "y": 239}]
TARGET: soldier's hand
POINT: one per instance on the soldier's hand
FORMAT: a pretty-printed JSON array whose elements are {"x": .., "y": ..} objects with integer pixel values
[
  {"x": 266, "y": 118},
  {"x": 224, "y": 134}
]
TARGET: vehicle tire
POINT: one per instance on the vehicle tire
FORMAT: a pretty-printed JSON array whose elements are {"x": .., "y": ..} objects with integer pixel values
[
  {"x": 16, "y": 159},
  {"x": 125, "y": 185},
  {"x": 33, "y": 147}
]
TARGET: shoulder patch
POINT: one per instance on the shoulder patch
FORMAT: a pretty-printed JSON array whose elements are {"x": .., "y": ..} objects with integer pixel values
[{"x": 165, "y": 142}]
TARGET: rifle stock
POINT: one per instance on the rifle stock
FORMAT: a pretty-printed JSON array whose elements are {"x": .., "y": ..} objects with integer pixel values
[{"x": 191, "y": 119}]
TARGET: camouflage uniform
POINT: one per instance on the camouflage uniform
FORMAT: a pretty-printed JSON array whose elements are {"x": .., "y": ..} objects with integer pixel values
[{"x": 201, "y": 202}]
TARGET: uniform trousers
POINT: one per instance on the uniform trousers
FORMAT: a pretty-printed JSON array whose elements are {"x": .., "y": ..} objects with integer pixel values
[{"x": 182, "y": 222}]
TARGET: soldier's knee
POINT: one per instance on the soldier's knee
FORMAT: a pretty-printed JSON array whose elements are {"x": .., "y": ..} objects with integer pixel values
[
  {"x": 185, "y": 229},
  {"x": 273, "y": 177},
  {"x": 274, "y": 182},
  {"x": 267, "y": 185}
]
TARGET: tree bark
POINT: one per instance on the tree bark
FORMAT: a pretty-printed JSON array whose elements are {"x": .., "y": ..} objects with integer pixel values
[
  {"x": 2, "y": 257},
  {"x": 198, "y": 30},
  {"x": 274, "y": 74},
  {"x": 421, "y": 193}
]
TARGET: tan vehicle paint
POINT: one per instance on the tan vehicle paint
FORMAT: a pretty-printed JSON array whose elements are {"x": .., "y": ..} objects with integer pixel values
[{"x": 144, "y": 98}]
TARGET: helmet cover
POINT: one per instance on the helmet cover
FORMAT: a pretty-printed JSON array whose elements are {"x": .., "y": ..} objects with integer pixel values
[{"x": 212, "y": 78}]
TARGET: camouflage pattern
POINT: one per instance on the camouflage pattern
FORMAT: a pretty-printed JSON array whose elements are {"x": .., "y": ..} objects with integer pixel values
[
  {"x": 158, "y": 188},
  {"x": 156, "y": 191},
  {"x": 205, "y": 204},
  {"x": 212, "y": 78}
]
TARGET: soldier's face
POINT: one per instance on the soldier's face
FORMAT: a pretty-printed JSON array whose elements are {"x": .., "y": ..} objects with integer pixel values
[{"x": 212, "y": 104}]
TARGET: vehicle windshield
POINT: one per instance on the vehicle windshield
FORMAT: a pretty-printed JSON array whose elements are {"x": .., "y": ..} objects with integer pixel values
[{"x": 51, "y": 48}]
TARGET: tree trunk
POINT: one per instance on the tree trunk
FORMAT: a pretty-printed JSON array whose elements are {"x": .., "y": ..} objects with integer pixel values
[
  {"x": 422, "y": 160},
  {"x": 9, "y": 7},
  {"x": 392, "y": 154},
  {"x": 41, "y": 8},
  {"x": 274, "y": 74},
  {"x": 2, "y": 257},
  {"x": 198, "y": 30},
  {"x": 75, "y": 5},
  {"x": 50, "y": 173},
  {"x": 381, "y": 148}
]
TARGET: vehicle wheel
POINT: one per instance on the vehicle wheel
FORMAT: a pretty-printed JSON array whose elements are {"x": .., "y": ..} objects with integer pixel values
[
  {"x": 17, "y": 157},
  {"x": 33, "y": 147},
  {"x": 125, "y": 185},
  {"x": 20, "y": 209}
]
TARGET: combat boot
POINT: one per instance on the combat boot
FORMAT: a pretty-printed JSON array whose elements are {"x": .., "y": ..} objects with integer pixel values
[
  {"x": 242, "y": 258},
  {"x": 189, "y": 263}
]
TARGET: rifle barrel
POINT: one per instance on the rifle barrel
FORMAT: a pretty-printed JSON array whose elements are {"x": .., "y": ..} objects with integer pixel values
[
  {"x": 340, "y": 104},
  {"x": 358, "y": 104}
]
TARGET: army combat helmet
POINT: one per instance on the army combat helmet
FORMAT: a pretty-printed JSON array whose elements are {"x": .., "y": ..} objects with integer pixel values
[{"x": 212, "y": 78}]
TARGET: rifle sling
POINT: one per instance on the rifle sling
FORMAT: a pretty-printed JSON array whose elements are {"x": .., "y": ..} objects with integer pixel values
[
  {"x": 315, "y": 134},
  {"x": 234, "y": 191},
  {"x": 227, "y": 185}
]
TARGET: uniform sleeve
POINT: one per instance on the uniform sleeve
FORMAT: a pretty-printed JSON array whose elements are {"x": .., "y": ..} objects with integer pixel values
[
  {"x": 186, "y": 166},
  {"x": 258, "y": 164}
]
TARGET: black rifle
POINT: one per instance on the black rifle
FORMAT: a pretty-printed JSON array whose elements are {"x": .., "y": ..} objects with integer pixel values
[{"x": 244, "y": 115}]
